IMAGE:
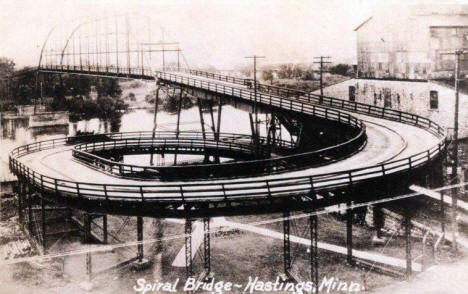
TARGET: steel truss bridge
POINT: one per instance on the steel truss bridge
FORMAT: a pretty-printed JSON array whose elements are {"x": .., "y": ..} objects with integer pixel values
[{"x": 354, "y": 169}]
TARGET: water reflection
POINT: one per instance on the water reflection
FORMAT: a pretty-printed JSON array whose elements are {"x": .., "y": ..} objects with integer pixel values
[{"x": 16, "y": 132}]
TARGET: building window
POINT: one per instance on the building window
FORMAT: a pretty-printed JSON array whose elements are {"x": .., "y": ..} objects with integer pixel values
[
  {"x": 352, "y": 93},
  {"x": 434, "y": 100}
]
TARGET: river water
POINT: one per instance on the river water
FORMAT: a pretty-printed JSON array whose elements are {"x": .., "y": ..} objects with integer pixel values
[{"x": 16, "y": 132}]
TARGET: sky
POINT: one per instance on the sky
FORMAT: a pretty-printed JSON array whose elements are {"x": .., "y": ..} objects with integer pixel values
[{"x": 218, "y": 33}]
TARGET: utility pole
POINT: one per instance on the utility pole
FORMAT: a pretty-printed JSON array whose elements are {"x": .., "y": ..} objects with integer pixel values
[
  {"x": 322, "y": 60},
  {"x": 255, "y": 57},
  {"x": 454, "y": 171},
  {"x": 160, "y": 47}
]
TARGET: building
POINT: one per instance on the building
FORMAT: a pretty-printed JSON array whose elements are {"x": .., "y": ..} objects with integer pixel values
[
  {"x": 401, "y": 65},
  {"x": 410, "y": 42}
]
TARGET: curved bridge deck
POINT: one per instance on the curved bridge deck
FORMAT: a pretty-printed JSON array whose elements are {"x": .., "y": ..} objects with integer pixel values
[{"x": 393, "y": 149}]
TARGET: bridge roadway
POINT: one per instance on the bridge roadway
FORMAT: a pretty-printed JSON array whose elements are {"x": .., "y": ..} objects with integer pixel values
[
  {"x": 385, "y": 142},
  {"x": 389, "y": 146}
]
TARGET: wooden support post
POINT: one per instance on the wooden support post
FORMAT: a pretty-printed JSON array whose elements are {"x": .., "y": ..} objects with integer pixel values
[
  {"x": 349, "y": 233},
  {"x": 286, "y": 243},
  {"x": 140, "y": 237},
  {"x": 407, "y": 224}
]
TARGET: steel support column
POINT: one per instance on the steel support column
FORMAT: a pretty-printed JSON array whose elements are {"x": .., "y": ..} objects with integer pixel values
[
  {"x": 202, "y": 120},
  {"x": 314, "y": 251},
  {"x": 155, "y": 120},
  {"x": 188, "y": 247},
  {"x": 43, "y": 223},
  {"x": 104, "y": 228},
  {"x": 407, "y": 224},
  {"x": 21, "y": 192},
  {"x": 30, "y": 213},
  {"x": 140, "y": 238},
  {"x": 202, "y": 124},
  {"x": 286, "y": 243},
  {"x": 218, "y": 128},
  {"x": 213, "y": 125},
  {"x": 442, "y": 212},
  {"x": 179, "y": 109},
  {"x": 349, "y": 233},
  {"x": 206, "y": 245},
  {"x": 87, "y": 239}
]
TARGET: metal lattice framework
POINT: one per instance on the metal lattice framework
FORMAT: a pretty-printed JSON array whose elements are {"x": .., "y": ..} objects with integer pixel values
[{"x": 127, "y": 44}]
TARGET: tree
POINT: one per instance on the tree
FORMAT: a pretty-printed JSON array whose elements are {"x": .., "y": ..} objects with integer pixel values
[
  {"x": 285, "y": 71},
  {"x": 267, "y": 75},
  {"x": 7, "y": 67},
  {"x": 340, "y": 69},
  {"x": 108, "y": 87}
]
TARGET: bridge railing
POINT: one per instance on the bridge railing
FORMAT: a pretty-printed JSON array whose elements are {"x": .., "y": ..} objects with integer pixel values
[
  {"x": 219, "y": 190},
  {"x": 266, "y": 99},
  {"x": 324, "y": 101},
  {"x": 111, "y": 70},
  {"x": 227, "y": 143},
  {"x": 245, "y": 189},
  {"x": 211, "y": 75}
]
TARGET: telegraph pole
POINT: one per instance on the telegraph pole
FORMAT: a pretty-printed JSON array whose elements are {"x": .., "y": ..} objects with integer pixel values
[
  {"x": 255, "y": 57},
  {"x": 322, "y": 60},
  {"x": 454, "y": 172}
]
